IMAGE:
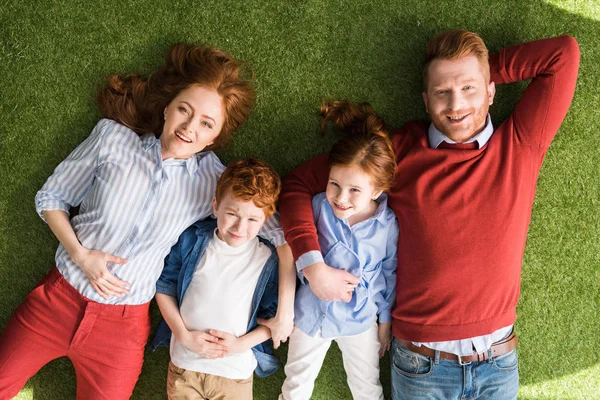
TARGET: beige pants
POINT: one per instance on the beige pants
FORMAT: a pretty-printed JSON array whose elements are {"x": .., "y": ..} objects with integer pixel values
[{"x": 186, "y": 385}]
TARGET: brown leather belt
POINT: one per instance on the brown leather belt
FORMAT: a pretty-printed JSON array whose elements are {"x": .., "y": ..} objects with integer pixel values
[{"x": 498, "y": 348}]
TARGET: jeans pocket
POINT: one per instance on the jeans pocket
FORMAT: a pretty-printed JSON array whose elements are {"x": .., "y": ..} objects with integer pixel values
[
  {"x": 507, "y": 362},
  {"x": 411, "y": 364}
]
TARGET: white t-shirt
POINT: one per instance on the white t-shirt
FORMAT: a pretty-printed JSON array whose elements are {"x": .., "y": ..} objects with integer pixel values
[{"x": 220, "y": 297}]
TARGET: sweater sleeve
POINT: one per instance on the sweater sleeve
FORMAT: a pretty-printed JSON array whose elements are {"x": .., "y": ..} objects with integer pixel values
[
  {"x": 295, "y": 204},
  {"x": 552, "y": 66}
]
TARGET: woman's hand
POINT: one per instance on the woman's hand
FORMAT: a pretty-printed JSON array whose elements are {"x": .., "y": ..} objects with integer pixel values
[
  {"x": 93, "y": 264},
  {"x": 384, "y": 333},
  {"x": 203, "y": 344},
  {"x": 280, "y": 326}
]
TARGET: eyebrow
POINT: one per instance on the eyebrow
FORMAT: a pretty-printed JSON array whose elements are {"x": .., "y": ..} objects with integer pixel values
[
  {"x": 203, "y": 115},
  {"x": 352, "y": 186}
]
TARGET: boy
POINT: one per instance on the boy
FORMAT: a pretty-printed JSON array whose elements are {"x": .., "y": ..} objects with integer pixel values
[{"x": 217, "y": 280}]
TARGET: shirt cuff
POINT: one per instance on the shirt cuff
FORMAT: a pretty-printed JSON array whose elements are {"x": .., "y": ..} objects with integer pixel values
[
  {"x": 305, "y": 260},
  {"x": 167, "y": 289},
  {"x": 385, "y": 316},
  {"x": 42, "y": 205}
]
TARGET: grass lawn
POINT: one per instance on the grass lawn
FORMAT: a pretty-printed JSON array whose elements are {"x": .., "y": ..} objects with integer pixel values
[{"x": 54, "y": 55}]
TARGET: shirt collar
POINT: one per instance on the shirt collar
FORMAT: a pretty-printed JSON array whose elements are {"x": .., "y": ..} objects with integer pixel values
[
  {"x": 149, "y": 141},
  {"x": 380, "y": 214},
  {"x": 436, "y": 137},
  {"x": 191, "y": 164}
]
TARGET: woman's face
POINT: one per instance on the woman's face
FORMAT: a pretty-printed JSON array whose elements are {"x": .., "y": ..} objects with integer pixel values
[{"x": 193, "y": 120}]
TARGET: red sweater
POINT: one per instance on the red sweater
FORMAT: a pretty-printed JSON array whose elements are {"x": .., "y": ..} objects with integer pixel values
[{"x": 463, "y": 214}]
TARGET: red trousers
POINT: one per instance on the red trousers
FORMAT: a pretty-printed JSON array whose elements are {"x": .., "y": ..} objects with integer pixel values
[{"x": 104, "y": 342}]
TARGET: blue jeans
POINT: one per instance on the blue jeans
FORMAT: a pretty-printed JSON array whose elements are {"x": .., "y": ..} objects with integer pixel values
[{"x": 415, "y": 376}]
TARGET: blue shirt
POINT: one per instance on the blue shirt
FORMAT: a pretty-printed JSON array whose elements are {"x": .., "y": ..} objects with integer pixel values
[
  {"x": 133, "y": 204},
  {"x": 367, "y": 250},
  {"x": 178, "y": 273}
]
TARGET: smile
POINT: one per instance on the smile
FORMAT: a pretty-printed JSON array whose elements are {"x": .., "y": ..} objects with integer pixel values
[
  {"x": 341, "y": 207},
  {"x": 457, "y": 118},
  {"x": 183, "y": 137}
]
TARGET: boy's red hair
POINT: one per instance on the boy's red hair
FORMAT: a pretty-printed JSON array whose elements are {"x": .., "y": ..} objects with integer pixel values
[{"x": 251, "y": 179}]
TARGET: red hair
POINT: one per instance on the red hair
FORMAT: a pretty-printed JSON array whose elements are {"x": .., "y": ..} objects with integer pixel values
[
  {"x": 251, "y": 179},
  {"x": 455, "y": 44},
  {"x": 138, "y": 102},
  {"x": 366, "y": 141}
]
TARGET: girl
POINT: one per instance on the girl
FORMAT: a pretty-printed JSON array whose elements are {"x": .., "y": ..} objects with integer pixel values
[
  {"x": 357, "y": 233},
  {"x": 138, "y": 191}
]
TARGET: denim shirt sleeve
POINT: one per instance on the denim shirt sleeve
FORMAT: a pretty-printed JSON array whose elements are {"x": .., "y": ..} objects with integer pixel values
[
  {"x": 389, "y": 266},
  {"x": 167, "y": 282},
  {"x": 267, "y": 307}
]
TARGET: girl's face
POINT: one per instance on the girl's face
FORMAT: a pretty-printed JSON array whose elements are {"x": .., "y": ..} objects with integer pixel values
[
  {"x": 351, "y": 193},
  {"x": 193, "y": 120}
]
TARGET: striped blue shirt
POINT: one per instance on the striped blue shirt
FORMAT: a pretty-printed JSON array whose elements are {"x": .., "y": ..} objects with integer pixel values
[
  {"x": 133, "y": 204},
  {"x": 368, "y": 250}
]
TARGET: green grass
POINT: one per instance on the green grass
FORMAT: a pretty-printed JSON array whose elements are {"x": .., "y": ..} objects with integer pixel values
[{"x": 54, "y": 54}]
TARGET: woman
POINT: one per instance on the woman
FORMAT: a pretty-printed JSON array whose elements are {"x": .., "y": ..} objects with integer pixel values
[{"x": 137, "y": 193}]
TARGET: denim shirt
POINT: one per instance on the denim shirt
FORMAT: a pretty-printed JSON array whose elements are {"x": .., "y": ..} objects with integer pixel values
[{"x": 177, "y": 274}]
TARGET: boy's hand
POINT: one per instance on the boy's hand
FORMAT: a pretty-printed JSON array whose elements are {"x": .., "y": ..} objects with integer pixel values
[
  {"x": 330, "y": 284},
  {"x": 384, "y": 333},
  {"x": 280, "y": 326},
  {"x": 232, "y": 343},
  {"x": 204, "y": 344}
]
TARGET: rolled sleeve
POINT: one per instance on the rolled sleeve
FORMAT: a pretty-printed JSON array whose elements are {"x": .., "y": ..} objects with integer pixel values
[
  {"x": 163, "y": 286},
  {"x": 73, "y": 177},
  {"x": 305, "y": 260}
]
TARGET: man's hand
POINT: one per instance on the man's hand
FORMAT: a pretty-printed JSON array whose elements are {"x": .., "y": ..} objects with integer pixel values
[
  {"x": 93, "y": 264},
  {"x": 203, "y": 344},
  {"x": 330, "y": 284},
  {"x": 280, "y": 326},
  {"x": 384, "y": 333}
]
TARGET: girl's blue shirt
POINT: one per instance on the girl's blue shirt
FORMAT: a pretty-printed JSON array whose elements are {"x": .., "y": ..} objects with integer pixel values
[{"x": 368, "y": 250}]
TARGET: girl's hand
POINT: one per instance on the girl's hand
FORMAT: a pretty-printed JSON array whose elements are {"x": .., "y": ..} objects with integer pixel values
[
  {"x": 232, "y": 343},
  {"x": 384, "y": 333},
  {"x": 280, "y": 327},
  {"x": 203, "y": 344},
  {"x": 93, "y": 264}
]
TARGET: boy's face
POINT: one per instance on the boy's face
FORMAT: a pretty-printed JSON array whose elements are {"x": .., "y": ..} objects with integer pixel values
[{"x": 238, "y": 221}]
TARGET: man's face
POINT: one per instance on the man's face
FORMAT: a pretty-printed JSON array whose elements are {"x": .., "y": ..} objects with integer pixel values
[
  {"x": 458, "y": 97},
  {"x": 238, "y": 221}
]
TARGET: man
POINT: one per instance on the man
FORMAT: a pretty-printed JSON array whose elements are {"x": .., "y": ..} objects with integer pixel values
[{"x": 463, "y": 196}]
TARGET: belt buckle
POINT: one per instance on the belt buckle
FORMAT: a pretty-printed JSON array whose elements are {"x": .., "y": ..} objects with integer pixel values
[{"x": 461, "y": 362}]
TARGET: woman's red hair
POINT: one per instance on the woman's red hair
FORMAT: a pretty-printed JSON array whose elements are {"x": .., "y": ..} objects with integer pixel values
[{"x": 138, "y": 102}]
